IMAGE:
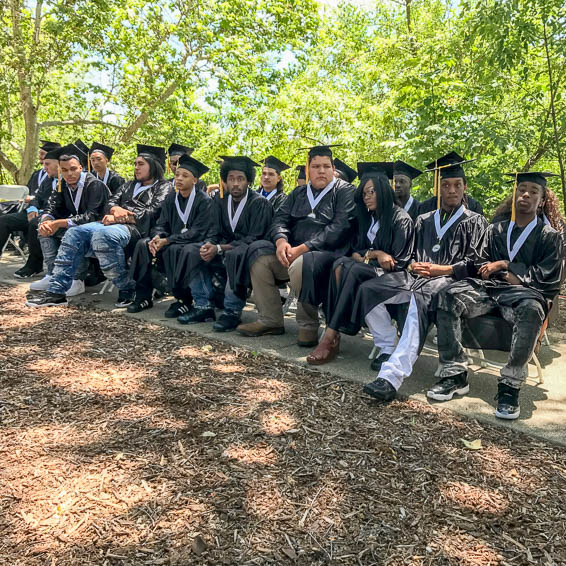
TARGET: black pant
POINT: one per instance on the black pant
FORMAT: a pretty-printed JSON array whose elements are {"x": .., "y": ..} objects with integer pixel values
[{"x": 18, "y": 222}]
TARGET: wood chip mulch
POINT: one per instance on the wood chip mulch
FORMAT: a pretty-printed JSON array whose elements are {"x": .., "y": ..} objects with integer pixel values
[{"x": 126, "y": 443}]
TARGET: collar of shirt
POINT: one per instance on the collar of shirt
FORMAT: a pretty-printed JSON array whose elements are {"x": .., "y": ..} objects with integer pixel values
[{"x": 80, "y": 182}]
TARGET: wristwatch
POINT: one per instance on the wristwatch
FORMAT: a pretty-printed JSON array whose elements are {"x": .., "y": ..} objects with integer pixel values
[{"x": 219, "y": 250}]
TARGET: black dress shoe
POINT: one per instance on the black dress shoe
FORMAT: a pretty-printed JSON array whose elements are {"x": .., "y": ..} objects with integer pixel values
[
  {"x": 177, "y": 309},
  {"x": 125, "y": 299},
  {"x": 380, "y": 389},
  {"x": 140, "y": 305},
  {"x": 376, "y": 363},
  {"x": 47, "y": 299},
  {"x": 449, "y": 386},
  {"x": 226, "y": 322},
  {"x": 26, "y": 272},
  {"x": 507, "y": 402},
  {"x": 196, "y": 315}
]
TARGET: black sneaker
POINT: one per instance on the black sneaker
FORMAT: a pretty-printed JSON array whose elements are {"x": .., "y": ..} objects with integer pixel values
[
  {"x": 47, "y": 299},
  {"x": 196, "y": 315},
  {"x": 125, "y": 299},
  {"x": 226, "y": 322},
  {"x": 26, "y": 272},
  {"x": 140, "y": 305},
  {"x": 176, "y": 309},
  {"x": 507, "y": 402},
  {"x": 449, "y": 386},
  {"x": 376, "y": 363},
  {"x": 380, "y": 389}
]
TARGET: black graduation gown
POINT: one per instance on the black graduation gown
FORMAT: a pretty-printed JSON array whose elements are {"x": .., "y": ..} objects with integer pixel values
[
  {"x": 342, "y": 293},
  {"x": 146, "y": 206},
  {"x": 538, "y": 264},
  {"x": 430, "y": 205},
  {"x": 114, "y": 181},
  {"x": 414, "y": 209},
  {"x": 169, "y": 225},
  {"x": 459, "y": 248},
  {"x": 91, "y": 206},
  {"x": 277, "y": 200},
  {"x": 328, "y": 235},
  {"x": 43, "y": 193},
  {"x": 33, "y": 183},
  {"x": 253, "y": 225}
]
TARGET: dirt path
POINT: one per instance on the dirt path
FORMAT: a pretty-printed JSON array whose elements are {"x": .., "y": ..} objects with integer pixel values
[{"x": 128, "y": 443}]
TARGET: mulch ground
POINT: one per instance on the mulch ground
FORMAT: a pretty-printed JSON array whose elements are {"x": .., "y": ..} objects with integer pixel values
[{"x": 126, "y": 443}]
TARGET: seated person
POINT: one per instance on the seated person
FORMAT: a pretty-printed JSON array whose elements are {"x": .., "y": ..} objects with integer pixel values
[
  {"x": 27, "y": 220},
  {"x": 130, "y": 215},
  {"x": 446, "y": 245},
  {"x": 241, "y": 217},
  {"x": 384, "y": 244},
  {"x": 80, "y": 198},
  {"x": 403, "y": 175},
  {"x": 186, "y": 217},
  {"x": 519, "y": 275},
  {"x": 430, "y": 204},
  {"x": 271, "y": 181},
  {"x": 309, "y": 232},
  {"x": 301, "y": 176},
  {"x": 344, "y": 171},
  {"x": 100, "y": 156}
]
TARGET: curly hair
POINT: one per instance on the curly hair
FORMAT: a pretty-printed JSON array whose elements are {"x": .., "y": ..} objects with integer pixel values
[
  {"x": 238, "y": 165},
  {"x": 551, "y": 210}
]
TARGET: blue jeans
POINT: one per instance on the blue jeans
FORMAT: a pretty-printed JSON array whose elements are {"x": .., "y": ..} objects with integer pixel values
[
  {"x": 51, "y": 249},
  {"x": 106, "y": 242},
  {"x": 201, "y": 289}
]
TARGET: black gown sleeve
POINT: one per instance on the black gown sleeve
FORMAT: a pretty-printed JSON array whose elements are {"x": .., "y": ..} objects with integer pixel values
[
  {"x": 280, "y": 227},
  {"x": 259, "y": 221},
  {"x": 199, "y": 227},
  {"x": 403, "y": 242},
  {"x": 467, "y": 267},
  {"x": 147, "y": 215},
  {"x": 97, "y": 194}
]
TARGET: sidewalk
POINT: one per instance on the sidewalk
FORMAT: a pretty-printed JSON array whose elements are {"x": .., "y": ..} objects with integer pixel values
[{"x": 543, "y": 407}]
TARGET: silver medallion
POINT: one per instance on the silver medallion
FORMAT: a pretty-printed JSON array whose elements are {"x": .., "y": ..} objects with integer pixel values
[
  {"x": 312, "y": 215},
  {"x": 184, "y": 230},
  {"x": 436, "y": 248}
]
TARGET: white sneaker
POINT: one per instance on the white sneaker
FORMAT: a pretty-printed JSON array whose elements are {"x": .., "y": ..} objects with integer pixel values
[
  {"x": 77, "y": 288},
  {"x": 41, "y": 285}
]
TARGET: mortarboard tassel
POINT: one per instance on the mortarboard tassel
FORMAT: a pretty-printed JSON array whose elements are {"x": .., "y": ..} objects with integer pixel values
[
  {"x": 514, "y": 195},
  {"x": 88, "y": 162},
  {"x": 437, "y": 186},
  {"x": 221, "y": 188},
  {"x": 58, "y": 179},
  {"x": 307, "y": 171}
]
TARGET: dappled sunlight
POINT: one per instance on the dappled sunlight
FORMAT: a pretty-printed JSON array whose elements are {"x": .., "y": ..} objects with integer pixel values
[
  {"x": 466, "y": 550},
  {"x": 265, "y": 390},
  {"x": 473, "y": 498},
  {"x": 228, "y": 368},
  {"x": 276, "y": 422},
  {"x": 262, "y": 454}
]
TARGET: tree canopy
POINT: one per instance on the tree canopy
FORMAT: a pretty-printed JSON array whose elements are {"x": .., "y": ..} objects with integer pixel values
[{"x": 403, "y": 79}]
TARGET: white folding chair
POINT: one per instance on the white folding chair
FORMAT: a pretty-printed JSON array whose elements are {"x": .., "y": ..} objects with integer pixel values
[{"x": 14, "y": 193}]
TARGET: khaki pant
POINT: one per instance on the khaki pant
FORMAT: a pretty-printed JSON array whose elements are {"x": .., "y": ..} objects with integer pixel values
[{"x": 264, "y": 273}]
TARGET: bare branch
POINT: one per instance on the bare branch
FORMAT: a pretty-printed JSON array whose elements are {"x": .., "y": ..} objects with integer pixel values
[
  {"x": 6, "y": 162},
  {"x": 77, "y": 122}
]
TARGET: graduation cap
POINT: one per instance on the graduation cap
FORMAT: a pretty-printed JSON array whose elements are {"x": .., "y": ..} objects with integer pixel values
[
  {"x": 317, "y": 151},
  {"x": 177, "y": 149},
  {"x": 448, "y": 166},
  {"x": 106, "y": 150},
  {"x": 346, "y": 172},
  {"x": 156, "y": 152},
  {"x": 71, "y": 150},
  {"x": 191, "y": 164},
  {"x": 383, "y": 167},
  {"x": 81, "y": 151},
  {"x": 402, "y": 168},
  {"x": 274, "y": 163},
  {"x": 528, "y": 176},
  {"x": 301, "y": 173},
  {"x": 54, "y": 152},
  {"x": 48, "y": 145}
]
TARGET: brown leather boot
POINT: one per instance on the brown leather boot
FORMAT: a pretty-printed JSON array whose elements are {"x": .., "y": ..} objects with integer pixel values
[
  {"x": 325, "y": 352},
  {"x": 257, "y": 328},
  {"x": 307, "y": 337}
]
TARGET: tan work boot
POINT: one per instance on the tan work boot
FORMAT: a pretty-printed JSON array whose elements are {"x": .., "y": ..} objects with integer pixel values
[
  {"x": 257, "y": 328},
  {"x": 307, "y": 338}
]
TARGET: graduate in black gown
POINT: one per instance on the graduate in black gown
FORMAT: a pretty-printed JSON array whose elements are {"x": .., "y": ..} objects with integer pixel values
[
  {"x": 80, "y": 198},
  {"x": 344, "y": 171},
  {"x": 309, "y": 232},
  {"x": 301, "y": 176},
  {"x": 100, "y": 156},
  {"x": 271, "y": 181},
  {"x": 446, "y": 247},
  {"x": 384, "y": 244},
  {"x": 519, "y": 275},
  {"x": 242, "y": 216},
  {"x": 186, "y": 218},
  {"x": 403, "y": 176},
  {"x": 431, "y": 204},
  {"x": 26, "y": 220}
]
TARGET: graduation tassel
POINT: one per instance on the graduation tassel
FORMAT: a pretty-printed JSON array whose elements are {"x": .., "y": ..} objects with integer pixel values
[
  {"x": 307, "y": 171},
  {"x": 514, "y": 195},
  {"x": 437, "y": 186},
  {"x": 393, "y": 183},
  {"x": 88, "y": 162},
  {"x": 221, "y": 188},
  {"x": 58, "y": 179}
]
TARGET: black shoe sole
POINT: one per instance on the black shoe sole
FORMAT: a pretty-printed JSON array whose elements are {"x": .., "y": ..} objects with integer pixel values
[
  {"x": 387, "y": 397},
  {"x": 268, "y": 332},
  {"x": 27, "y": 276},
  {"x": 37, "y": 306}
]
